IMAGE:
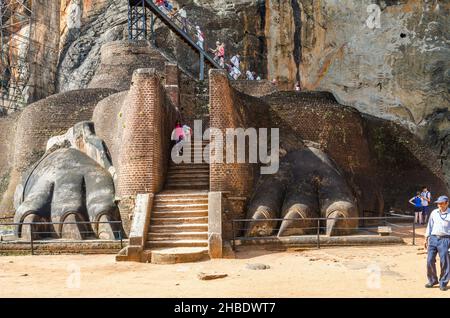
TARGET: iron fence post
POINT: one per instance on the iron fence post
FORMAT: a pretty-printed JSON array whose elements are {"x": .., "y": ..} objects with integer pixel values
[
  {"x": 202, "y": 67},
  {"x": 120, "y": 237},
  {"x": 31, "y": 239},
  {"x": 318, "y": 233},
  {"x": 234, "y": 239}
]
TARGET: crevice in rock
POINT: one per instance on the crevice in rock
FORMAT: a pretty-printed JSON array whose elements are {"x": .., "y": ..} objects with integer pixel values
[
  {"x": 297, "y": 36},
  {"x": 262, "y": 41}
]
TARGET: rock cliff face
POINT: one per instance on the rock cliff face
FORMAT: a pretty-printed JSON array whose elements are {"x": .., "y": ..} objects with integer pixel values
[{"x": 387, "y": 58}]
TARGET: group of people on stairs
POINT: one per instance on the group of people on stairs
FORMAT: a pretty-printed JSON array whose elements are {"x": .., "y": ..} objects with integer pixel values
[{"x": 233, "y": 67}]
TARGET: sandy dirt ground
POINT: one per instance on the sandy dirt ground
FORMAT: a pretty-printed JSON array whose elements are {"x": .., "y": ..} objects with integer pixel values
[{"x": 382, "y": 271}]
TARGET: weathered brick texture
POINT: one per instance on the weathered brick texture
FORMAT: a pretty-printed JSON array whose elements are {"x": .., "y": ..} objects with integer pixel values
[
  {"x": 254, "y": 88},
  {"x": 148, "y": 122}
]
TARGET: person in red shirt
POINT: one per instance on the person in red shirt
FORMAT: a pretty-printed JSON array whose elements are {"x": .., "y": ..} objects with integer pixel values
[{"x": 160, "y": 4}]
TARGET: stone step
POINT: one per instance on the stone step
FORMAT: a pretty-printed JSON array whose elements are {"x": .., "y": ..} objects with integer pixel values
[
  {"x": 170, "y": 228},
  {"x": 192, "y": 165},
  {"x": 187, "y": 181},
  {"x": 177, "y": 243},
  {"x": 188, "y": 171},
  {"x": 192, "y": 220},
  {"x": 177, "y": 236},
  {"x": 182, "y": 194},
  {"x": 203, "y": 161},
  {"x": 188, "y": 174},
  {"x": 182, "y": 200},
  {"x": 177, "y": 255},
  {"x": 179, "y": 214},
  {"x": 193, "y": 154},
  {"x": 186, "y": 186}
]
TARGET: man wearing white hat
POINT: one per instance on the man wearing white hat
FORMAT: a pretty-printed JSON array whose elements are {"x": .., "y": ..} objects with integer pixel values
[{"x": 437, "y": 240}]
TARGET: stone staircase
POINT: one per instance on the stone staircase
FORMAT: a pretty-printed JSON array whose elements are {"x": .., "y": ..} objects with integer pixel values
[{"x": 179, "y": 220}]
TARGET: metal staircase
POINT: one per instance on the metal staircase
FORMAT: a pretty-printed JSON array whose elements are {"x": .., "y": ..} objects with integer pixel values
[{"x": 137, "y": 29}]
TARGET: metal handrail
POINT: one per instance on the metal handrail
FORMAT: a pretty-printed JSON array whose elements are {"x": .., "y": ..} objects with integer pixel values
[
  {"x": 174, "y": 27},
  {"x": 324, "y": 219},
  {"x": 154, "y": 8},
  {"x": 32, "y": 232},
  {"x": 383, "y": 218}
]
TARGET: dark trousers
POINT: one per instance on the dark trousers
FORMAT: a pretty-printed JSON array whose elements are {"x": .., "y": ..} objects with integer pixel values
[{"x": 438, "y": 245}]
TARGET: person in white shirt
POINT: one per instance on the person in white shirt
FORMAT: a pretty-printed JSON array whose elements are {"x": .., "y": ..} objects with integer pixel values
[
  {"x": 183, "y": 15},
  {"x": 426, "y": 199},
  {"x": 187, "y": 133},
  {"x": 235, "y": 70},
  {"x": 236, "y": 61},
  {"x": 200, "y": 37},
  {"x": 437, "y": 241}
]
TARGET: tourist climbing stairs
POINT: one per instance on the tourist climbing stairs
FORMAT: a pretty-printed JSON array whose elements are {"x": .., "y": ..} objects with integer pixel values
[
  {"x": 179, "y": 217},
  {"x": 173, "y": 26}
]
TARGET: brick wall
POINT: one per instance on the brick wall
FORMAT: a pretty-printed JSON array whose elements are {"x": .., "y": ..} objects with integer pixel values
[
  {"x": 108, "y": 120},
  {"x": 254, "y": 88},
  {"x": 149, "y": 117}
]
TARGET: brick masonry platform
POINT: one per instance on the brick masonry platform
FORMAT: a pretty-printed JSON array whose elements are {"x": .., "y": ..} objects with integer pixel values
[
  {"x": 49, "y": 247},
  {"x": 311, "y": 240}
]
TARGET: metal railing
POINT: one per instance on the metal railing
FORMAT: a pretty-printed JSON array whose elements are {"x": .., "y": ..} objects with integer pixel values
[
  {"x": 47, "y": 235},
  {"x": 186, "y": 32},
  {"x": 317, "y": 227}
]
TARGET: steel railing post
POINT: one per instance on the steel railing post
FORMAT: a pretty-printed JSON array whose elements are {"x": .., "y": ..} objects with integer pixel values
[
  {"x": 318, "y": 233},
  {"x": 202, "y": 66},
  {"x": 234, "y": 235},
  {"x": 121, "y": 240},
  {"x": 31, "y": 239}
]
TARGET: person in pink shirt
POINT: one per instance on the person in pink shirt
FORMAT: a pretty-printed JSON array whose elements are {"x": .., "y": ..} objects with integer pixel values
[{"x": 179, "y": 133}]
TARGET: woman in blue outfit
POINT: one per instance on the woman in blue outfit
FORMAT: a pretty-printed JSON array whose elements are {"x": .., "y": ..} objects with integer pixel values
[{"x": 417, "y": 202}]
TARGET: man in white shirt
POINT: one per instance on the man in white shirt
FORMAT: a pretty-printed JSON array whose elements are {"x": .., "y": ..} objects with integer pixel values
[
  {"x": 200, "y": 37},
  {"x": 183, "y": 15},
  {"x": 426, "y": 199},
  {"x": 437, "y": 240},
  {"x": 236, "y": 61}
]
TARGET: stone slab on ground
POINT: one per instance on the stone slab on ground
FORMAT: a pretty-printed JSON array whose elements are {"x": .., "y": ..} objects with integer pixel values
[
  {"x": 257, "y": 266},
  {"x": 178, "y": 255},
  {"x": 211, "y": 276}
]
